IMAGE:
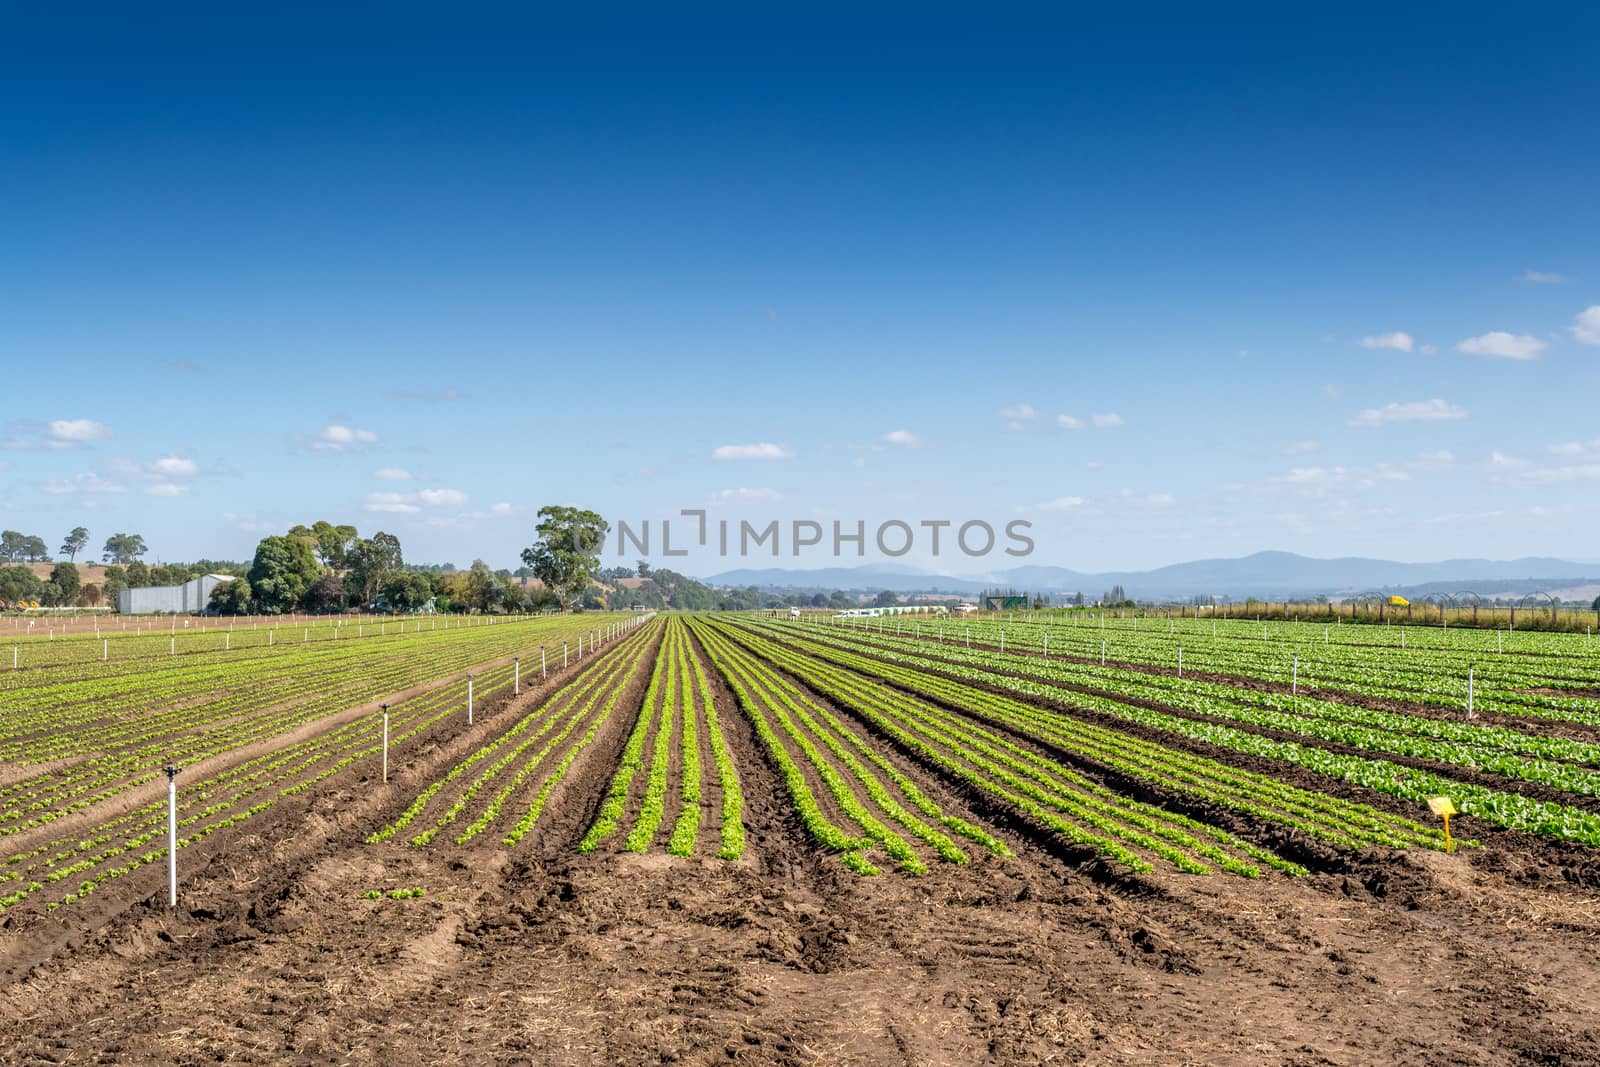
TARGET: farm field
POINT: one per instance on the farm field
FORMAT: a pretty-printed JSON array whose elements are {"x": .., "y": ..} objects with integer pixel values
[{"x": 726, "y": 837}]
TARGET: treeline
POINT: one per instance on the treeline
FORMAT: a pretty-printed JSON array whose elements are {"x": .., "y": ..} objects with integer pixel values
[
  {"x": 328, "y": 569},
  {"x": 658, "y": 589}
]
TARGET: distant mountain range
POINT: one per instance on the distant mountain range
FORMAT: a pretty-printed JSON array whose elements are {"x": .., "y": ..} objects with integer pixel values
[{"x": 1264, "y": 574}]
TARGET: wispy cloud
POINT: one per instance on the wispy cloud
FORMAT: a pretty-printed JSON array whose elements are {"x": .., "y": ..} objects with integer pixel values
[
  {"x": 433, "y": 396},
  {"x": 1502, "y": 345},
  {"x": 83, "y": 484},
  {"x": 411, "y": 503},
  {"x": 166, "y": 489},
  {"x": 759, "y": 450},
  {"x": 339, "y": 438},
  {"x": 1019, "y": 416},
  {"x": 392, "y": 474},
  {"x": 1586, "y": 327},
  {"x": 26, "y": 434},
  {"x": 1577, "y": 448},
  {"x": 1302, "y": 447},
  {"x": 1069, "y": 422},
  {"x": 1147, "y": 500},
  {"x": 1416, "y": 411},
  {"x": 745, "y": 496},
  {"x": 68, "y": 432},
  {"x": 1061, "y": 503},
  {"x": 175, "y": 467},
  {"x": 1106, "y": 420},
  {"x": 1539, "y": 277},
  {"x": 903, "y": 438},
  {"x": 1399, "y": 340}
]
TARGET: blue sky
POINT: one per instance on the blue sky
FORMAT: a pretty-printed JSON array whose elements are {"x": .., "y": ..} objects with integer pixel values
[{"x": 1165, "y": 288}]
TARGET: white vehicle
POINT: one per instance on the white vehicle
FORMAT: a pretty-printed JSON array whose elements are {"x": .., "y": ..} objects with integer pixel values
[{"x": 794, "y": 613}]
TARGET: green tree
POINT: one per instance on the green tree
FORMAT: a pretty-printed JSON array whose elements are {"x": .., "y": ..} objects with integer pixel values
[
  {"x": 886, "y": 599},
  {"x": 11, "y": 543},
  {"x": 123, "y": 548},
  {"x": 282, "y": 573},
  {"x": 566, "y": 556},
  {"x": 138, "y": 574},
  {"x": 68, "y": 584},
  {"x": 116, "y": 581},
  {"x": 1596, "y": 605},
  {"x": 326, "y": 595},
  {"x": 333, "y": 543},
  {"x": 19, "y": 583},
  {"x": 370, "y": 563},
  {"x": 644, "y": 569},
  {"x": 35, "y": 550},
  {"x": 407, "y": 591},
  {"x": 232, "y": 598},
  {"x": 75, "y": 542}
]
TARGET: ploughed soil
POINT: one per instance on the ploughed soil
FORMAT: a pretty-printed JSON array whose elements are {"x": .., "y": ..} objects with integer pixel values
[{"x": 539, "y": 955}]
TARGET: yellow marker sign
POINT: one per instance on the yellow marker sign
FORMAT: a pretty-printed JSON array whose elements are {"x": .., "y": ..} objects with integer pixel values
[
  {"x": 1444, "y": 808},
  {"x": 1399, "y": 602}
]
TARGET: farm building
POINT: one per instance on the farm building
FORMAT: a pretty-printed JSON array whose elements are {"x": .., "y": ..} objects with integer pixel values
[
  {"x": 1004, "y": 602},
  {"x": 192, "y": 597}
]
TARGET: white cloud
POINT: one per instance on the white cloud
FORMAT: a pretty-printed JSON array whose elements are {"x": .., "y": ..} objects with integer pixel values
[
  {"x": 1539, "y": 277},
  {"x": 82, "y": 484},
  {"x": 1577, "y": 448},
  {"x": 397, "y": 503},
  {"x": 501, "y": 508},
  {"x": 1151, "y": 500},
  {"x": 1503, "y": 345},
  {"x": 760, "y": 450},
  {"x": 1586, "y": 327},
  {"x": 174, "y": 467},
  {"x": 904, "y": 438},
  {"x": 1018, "y": 416},
  {"x": 64, "y": 433},
  {"x": 1399, "y": 340},
  {"x": 1061, "y": 503},
  {"x": 1106, "y": 420},
  {"x": 392, "y": 474},
  {"x": 337, "y": 438},
  {"x": 745, "y": 496},
  {"x": 166, "y": 489},
  {"x": 410, "y": 503},
  {"x": 1440, "y": 457},
  {"x": 1416, "y": 411},
  {"x": 1427, "y": 350},
  {"x": 1068, "y": 422},
  {"x": 1317, "y": 480},
  {"x": 1501, "y": 461}
]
